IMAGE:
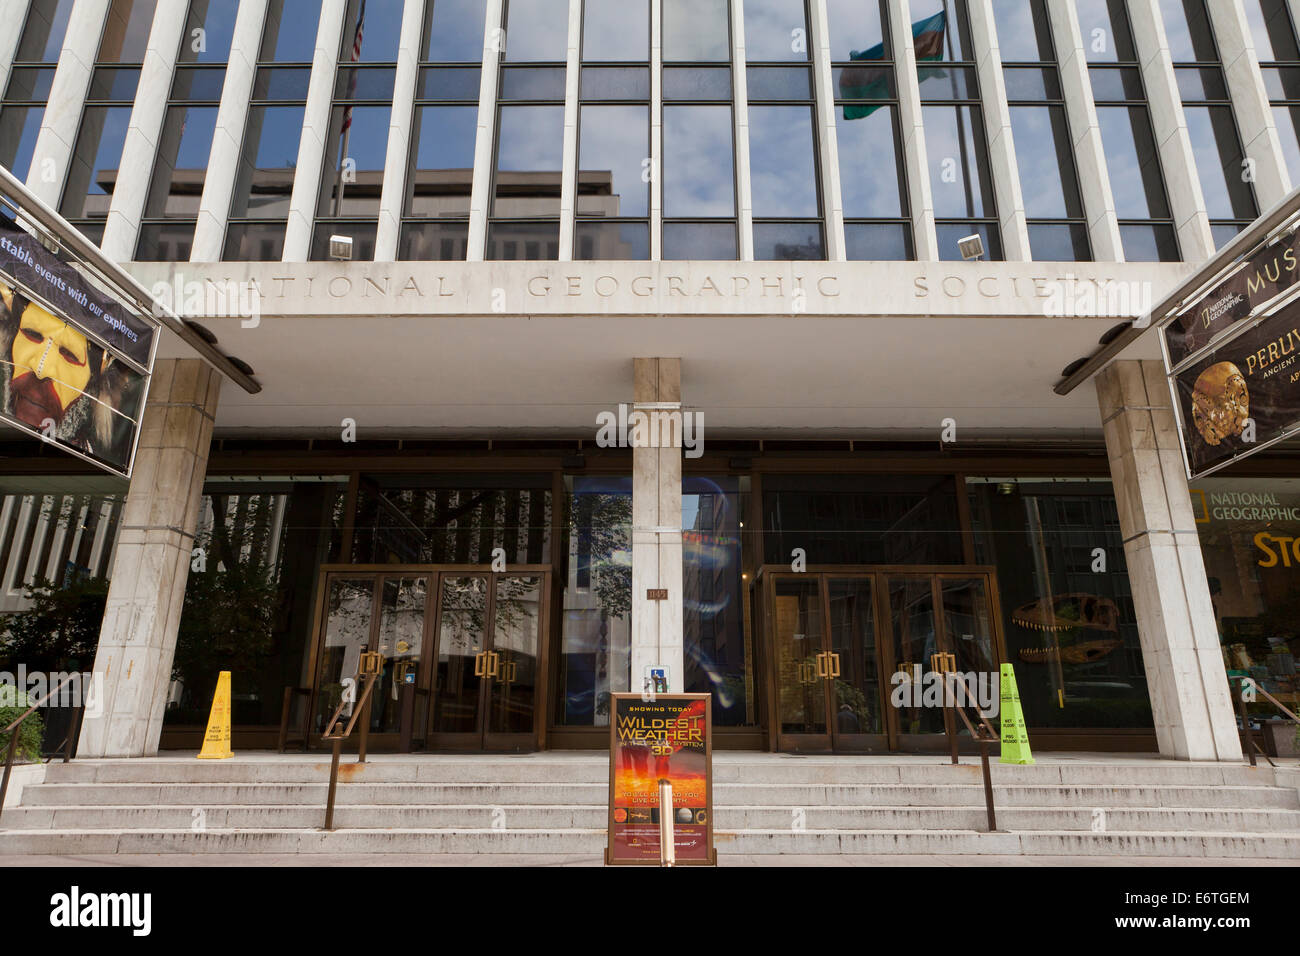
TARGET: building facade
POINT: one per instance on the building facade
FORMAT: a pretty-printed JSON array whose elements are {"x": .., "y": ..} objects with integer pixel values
[{"x": 570, "y": 222}]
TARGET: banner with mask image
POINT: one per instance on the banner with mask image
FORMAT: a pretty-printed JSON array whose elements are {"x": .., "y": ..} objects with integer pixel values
[{"x": 74, "y": 362}]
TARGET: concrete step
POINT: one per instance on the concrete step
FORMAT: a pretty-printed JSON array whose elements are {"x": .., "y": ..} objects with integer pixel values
[
  {"x": 442, "y": 816},
  {"x": 592, "y": 841},
  {"x": 538, "y": 768},
  {"x": 191, "y": 795}
]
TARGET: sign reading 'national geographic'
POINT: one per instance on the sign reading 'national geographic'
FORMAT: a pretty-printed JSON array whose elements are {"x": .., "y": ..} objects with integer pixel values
[
  {"x": 76, "y": 361},
  {"x": 1243, "y": 395},
  {"x": 654, "y": 738}
]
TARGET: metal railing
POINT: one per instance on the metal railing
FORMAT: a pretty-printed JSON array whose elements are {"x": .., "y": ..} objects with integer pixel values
[
  {"x": 12, "y": 730},
  {"x": 371, "y": 667},
  {"x": 982, "y": 732},
  {"x": 1247, "y": 734}
]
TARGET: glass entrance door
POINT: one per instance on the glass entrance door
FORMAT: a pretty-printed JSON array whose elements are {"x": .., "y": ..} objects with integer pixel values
[
  {"x": 850, "y": 652},
  {"x": 485, "y": 692},
  {"x": 461, "y": 652}
]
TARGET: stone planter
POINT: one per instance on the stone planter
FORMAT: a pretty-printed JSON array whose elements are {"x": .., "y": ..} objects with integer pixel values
[{"x": 24, "y": 775}]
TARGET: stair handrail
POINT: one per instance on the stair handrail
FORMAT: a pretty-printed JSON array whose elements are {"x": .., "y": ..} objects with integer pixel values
[
  {"x": 1249, "y": 735},
  {"x": 12, "y": 730},
  {"x": 982, "y": 734},
  {"x": 337, "y": 737}
]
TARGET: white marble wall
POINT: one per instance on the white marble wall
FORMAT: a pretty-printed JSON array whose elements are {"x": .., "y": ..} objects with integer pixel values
[
  {"x": 137, "y": 640},
  {"x": 656, "y": 533},
  {"x": 1180, "y": 640}
]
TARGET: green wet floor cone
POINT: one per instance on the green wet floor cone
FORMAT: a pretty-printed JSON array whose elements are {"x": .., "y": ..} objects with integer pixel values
[{"x": 1015, "y": 739}]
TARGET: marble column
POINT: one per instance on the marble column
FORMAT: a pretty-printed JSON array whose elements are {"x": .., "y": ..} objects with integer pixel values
[
  {"x": 137, "y": 640},
  {"x": 657, "y": 529},
  {"x": 1190, "y": 702}
]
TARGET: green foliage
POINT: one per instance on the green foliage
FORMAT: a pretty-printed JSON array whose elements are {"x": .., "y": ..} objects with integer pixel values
[
  {"x": 61, "y": 625},
  {"x": 226, "y": 625},
  {"x": 12, "y": 704}
]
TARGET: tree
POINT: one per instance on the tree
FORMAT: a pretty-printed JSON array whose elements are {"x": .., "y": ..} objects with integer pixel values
[{"x": 61, "y": 625}]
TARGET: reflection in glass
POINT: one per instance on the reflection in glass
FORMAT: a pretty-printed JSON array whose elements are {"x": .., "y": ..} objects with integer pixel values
[
  {"x": 361, "y": 137},
  {"x": 19, "y": 127},
  {"x": 1271, "y": 27},
  {"x": 290, "y": 32},
  {"x": 442, "y": 168},
  {"x": 796, "y": 627},
  {"x": 699, "y": 240},
  {"x": 216, "y": 18},
  {"x": 856, "y": 696},
  {"x": 778, "y": 83},
  {"x": 530, "y": 147},
  {"x": 126, "y": 31},
  {"x": 1219, "y": 162},
  {"x": 165, "y": 241},
  {"x": 950, "y": 233},
  {"x": 462, "y": 638},
  {"x": 1045, "y": 158},
  {"x": 957, "y": 133},
  {"x": 690, "y": 83},
  {"x": 440, "y": 241},
  {"x": 1059, "y": 242},
  {"x": 1024, "y": 32},
  {"x": 512, "y": 666},
  {"x": 955, "y": 43},
  {"x": 1148, "y": 242},
  {"x": 612, "y": 141},
  {"x": 1187, "y": 30},
  {"x": 788, "y": 241},
  {"x": 266, "y": 163},
  {"x": 595, "y": 646},
  {"x": 627, "y": 241},
  {"x": 615, "y": 83},
  {"x": 855, "y": 25},
  {"x": 617, "y": 30},
  {"x": 877, "y": 241},
  {"x": 182, "y": 161},
  {"x": 1131, "y": 162},
  {"x": 911, "y": 611},
  {"x": 453, "y": 31},
  {"x": 870, "y": 183},
  {"x": 401, "y": 641},
  {"x": 380, "y": 28},
  {"x": 43, "y": 31},
  {"x": 449, "y": 83},
  {"x": 698, "y": 169},
  {"x": 523, "y": 241},
  {"x": 93, "y": 173},
  {"x": 695, "y": 31},
  {"x": 782, "y": 161},
  {"x": 531, "y": 83},
  {"x": 771, "y": 29},
  {"x": 536, "y": 30},
  {"x": 1105, "y": 29},
  {"x": 347, "y": 634}
]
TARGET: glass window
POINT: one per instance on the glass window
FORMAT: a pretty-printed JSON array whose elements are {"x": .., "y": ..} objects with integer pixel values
[
  {"x": 612, "y": 144},
  {"x": 1024, "y": 31},
  {"x": 1131, "y": 162},
  {"x": 19, "y": 128},
  {"x": 1219, "y": 161},
  {"x": 699, "y": 240},
  {"x": 959, "y": 176},
  {"x": 871, "y": 185},
  {"x": 1272, "y": 30},
  {"x": 537, "y": 30},
  {"x": 1188, "y": 32},
  {"x": 93, "y": 173},
  {"x": 126, "y": 31},
  {"x": 596, "y": 629},
  {"x": 783, "y": 175},
  {"x": 1045, "y": 157},
  {"x": 696, "y": 31},
  {"x": 183, "y": 149},
  {"x": 379, "y": 24},
  {"x": 354, "y": 179},
  {"x": 616, "y": 30},
  {"x": 289, "y": 35},
  {"x": 855, "y": 26},
  {"x": 685, "y": 83},
  {"x": 266, "y": 163},
  {"x": 453, "y": 31},
  {"x": 1070, "y": 631},
  {"x": 43, "y": 31},
  {"x": 698, "y": 162},
  {"x": 209, "y": 31},
  {"x": 941, "y": 30},
  {"x": 775, "y": 30},
  {"x": 442, "y": 167},
  {"x": 1103, "y": 25},
  {"x": 530, "y": 144}
]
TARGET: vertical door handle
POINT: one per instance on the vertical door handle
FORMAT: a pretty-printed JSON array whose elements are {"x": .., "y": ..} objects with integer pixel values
[
  {"x": 835, "y": 664},
  {"x": 480, "y": 664},
  {"x": 493, "y": 663},
  {"x": 822, "y": 667}
]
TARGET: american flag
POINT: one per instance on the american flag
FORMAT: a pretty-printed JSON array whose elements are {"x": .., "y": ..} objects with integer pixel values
[{"x": 356, "y": 55}]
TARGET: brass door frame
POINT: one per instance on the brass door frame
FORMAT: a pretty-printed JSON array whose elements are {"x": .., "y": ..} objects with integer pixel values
[
  {"x": 884, "y": 637},
  {"x": 427, "y": 665}
]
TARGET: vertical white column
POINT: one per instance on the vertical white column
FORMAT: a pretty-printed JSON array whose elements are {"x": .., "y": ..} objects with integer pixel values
[
  {"x": 656, "y": 131},
  {"x": 228, "y": 135},
  {"x": 569, "y": 163},
  {"x": 1190, "y": 702},
  {"x": 315, "y": 129},
  {"x": 657, "y": 529},
  {"x": 1186, "y": 201},
  {"x": 819, "y": 45},
  {"x": 1250, "y": 106},
  {"x": 400, "y": 123},
  {"x": 920, "y": 199},
  {"x": 744, "y": 198},
  {"x": 52, "y": 155},
  {"x": 997, "y": 122},
  {"x": 13, "y": 13},
  {"x": 140, "y": 148},
  {"x": 480, "y": 198},
  {"x": 1085, "y": 133}
]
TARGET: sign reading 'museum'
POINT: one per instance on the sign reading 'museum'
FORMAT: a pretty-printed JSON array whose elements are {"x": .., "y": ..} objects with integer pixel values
[
  {"x": 1263, "y": 276},
  {"x": 653, "y": 739},
  {"x": 1244, "y": 395},
  {"x": 75, "y": 361}
]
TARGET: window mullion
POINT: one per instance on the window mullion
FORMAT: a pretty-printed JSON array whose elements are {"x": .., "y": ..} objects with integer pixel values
[
  {"x": 400, "y": 124},
  {"x": 569, "y": 175},
  {"x": 740, "y": 118},
  {"x": 481, "y": 189}
]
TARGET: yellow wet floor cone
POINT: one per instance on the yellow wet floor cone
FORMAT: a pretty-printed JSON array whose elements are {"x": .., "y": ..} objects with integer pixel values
[
  {"x": 216, "y": 742},
  {"x": 1015, "y": 739}
]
